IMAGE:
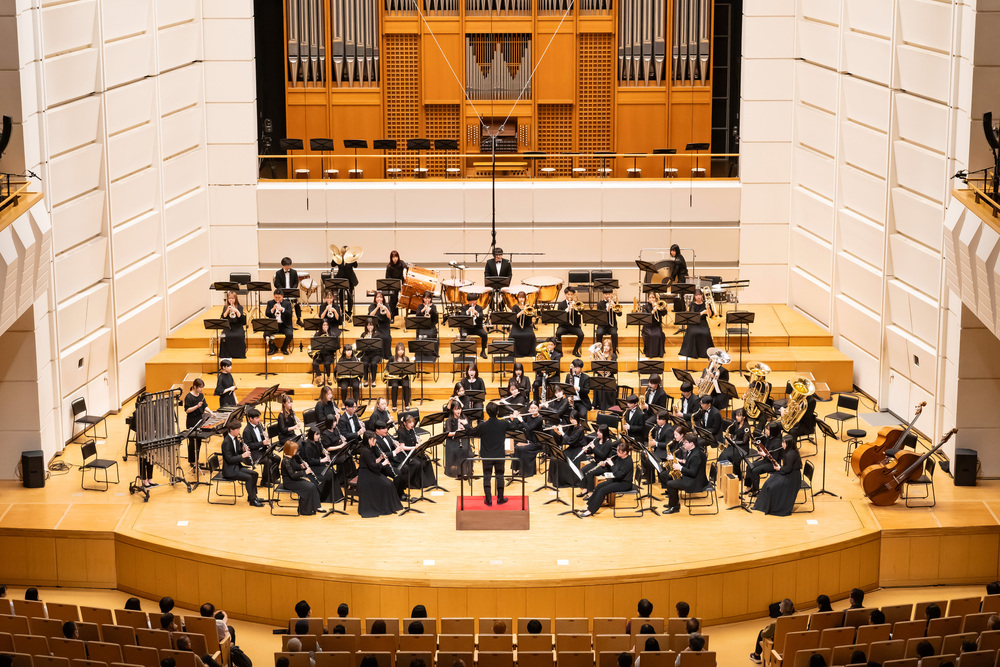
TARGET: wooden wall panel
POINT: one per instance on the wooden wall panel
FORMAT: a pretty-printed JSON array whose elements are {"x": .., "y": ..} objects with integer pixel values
[
  {"x": 356, "y": 115},
  {"x": 555, "y": 76},
  {"x": 438, "y": 83},
  {"x": 690, "y": 116},
  {"x": 640, "y": 127}
]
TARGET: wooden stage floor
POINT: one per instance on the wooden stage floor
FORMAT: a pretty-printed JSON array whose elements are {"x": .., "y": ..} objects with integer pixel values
[{"x": 729, "y": 565}]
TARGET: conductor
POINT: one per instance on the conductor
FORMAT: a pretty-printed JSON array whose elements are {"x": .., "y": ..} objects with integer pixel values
[{"x": 492, "y": 432}]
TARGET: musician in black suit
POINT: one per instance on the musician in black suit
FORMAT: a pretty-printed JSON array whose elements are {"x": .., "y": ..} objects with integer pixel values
[
  {"x": 572, "y": 328},
  {"x": 395, "y": 453},
  {"x": 656, "y": 399},
  {"x": 278, "y": 310},
  {"x": 349, "y": 425},
  {"x": 660, "y": 437},
  {"x": 633, "y": 418},
  {"x": 255, "y": 437},
  {"x": 234, "y": 455},
  {"x": 620, "y": 468},
  {"x": 475, "y": 311},
  {"x": 346, "y": 270},
  {"x": 691, "y": 463},
  {"x": 314, "y": 453},
  {"x": 772, "y": 442},
  {"x": 610, "y": 326},
  {"x": 288, "y": 278},
  {"x": 687, "y": 404},
  {"x": 498, "y": 266},
  {"x": 581, "y": 382},
  {"x": 709, "y": 418},
  {"x": 492, "y": 432}
]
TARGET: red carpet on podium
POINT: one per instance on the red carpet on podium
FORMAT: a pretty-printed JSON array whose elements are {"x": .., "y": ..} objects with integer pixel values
[{"x": 477, "y": 503}]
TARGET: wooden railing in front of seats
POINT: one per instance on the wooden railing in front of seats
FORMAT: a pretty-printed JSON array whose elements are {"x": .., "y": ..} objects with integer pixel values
[{"x": 6, "y": 220}]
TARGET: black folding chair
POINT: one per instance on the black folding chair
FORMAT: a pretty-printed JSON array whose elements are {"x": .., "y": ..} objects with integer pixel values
[{"x": 92, "y": 463}]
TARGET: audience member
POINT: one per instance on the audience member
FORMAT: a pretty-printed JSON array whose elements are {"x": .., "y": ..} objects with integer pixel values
[
  {"x": 683, "y": 609},
  {"x": 693, "y": 625},
  {"x": 302, "y": 609},
  {"x": 415, "y": 628},
  {"x": 378, "y": 628},
  {"x": 857, "y": 598},
  {"x": 776, "y": 609},
  {"x": 696, "y": 642},
  {"x": 534, "y": 627},
  {"x": 70, "y": 630},
  {"x": 877, "y": 617},
  {"x": 858, "y": 657},
  {"x": 343, "y": 610},
  {"x": 166, "y": 604},
  {"x": 823, "y": 602},
  {"x": 499, "y": 627},
  {"x": 419, "y": 611},
  {"x": 131, "y": 604}
]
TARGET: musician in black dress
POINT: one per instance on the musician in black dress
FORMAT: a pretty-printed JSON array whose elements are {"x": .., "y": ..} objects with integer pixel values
[
  {"x": 475, "y": 311},
  {"x": 679, "y": 267},
  {"x": 779, "y": 492},
  {"x": 234, "y": 339},
  {"x": 345, "y": 270},
  {"x": 691, "y": 463},
  {"x": 620, "y": 467},
  {"x": 601, "y": 448},
  {"x": 472, "y": 382},
  {"x": 256, "y": 438},
  {"x": 278, "y": 309},
  {"x": 555, "y": 354},
  {"x": 296, "y": 475},
  {"x": 610, "y": 326},
  {"x": 342, "y": 464},
  {"x": 698, "y": 337},
  {"x": 419, "y": 469},
  {"x": 737, "y": 434},
  {"x": 428, "y": 309},
  {"x": 527, "y": 454},
  {"x": 577, "y": 379},
  {"x": 322, "y": 360},
  {"x": 458, "y": 396},
  {"x": 347, "y": 383},
  {"x": 457, "y": 449},
  {"x": 235, "y": 459},
  {"x": 572, "y": 443},
  {"x": 333, "y": 317},
  {"x": 403, "y": 381},
  {"x": 380, "y": 414},
  {"x": 225, "y": 385},
  {"x": 523, "y": 330},
  {"x": 376, "y": 493},
  {"x": 574, "y": 319},
  {"x": 288, "y": 278},
  {"x": 395, "y": 270},
  {"x": 518, "y": 388},
  {"x": 326, "y": 406},
  {"x": 196, "y": 408},
  {"x": 288, "y": 423},
  {"x": 772, "y": 443},
  {"x": 604, "y": 351},
  {"x": 314, "y": 453},
  {"x": 558, "y": 406},
  {"x": 806, "y": 425},
  {"x": 383, "y": 322},
  {"x": 653, "y": 339},
  {"x": 370, "y": 359}
]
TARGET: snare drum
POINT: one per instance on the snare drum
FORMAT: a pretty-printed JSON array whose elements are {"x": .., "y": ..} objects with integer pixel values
[
  {"x": 418, "y": 281},
  {"x": 482, "y": 294},
  {"x": 549, "y": 287},
  {"x": 453, "y": 290},
  {"x": 509, "y": 294}
]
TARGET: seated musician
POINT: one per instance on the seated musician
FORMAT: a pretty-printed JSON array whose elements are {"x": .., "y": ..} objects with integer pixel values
[
  {"x": 376, "y": 493},
  {"x": 380, "y": 414},
  {"x": 326, "y": 406},
  {"x": 379, "y": 310},
  {"x": 371, "y": 360},
  {"x": 602, "y": 351},
  {"x": 522, "y": 332},
  {"x": 691, "y": 464},
  {"x": 772, "y": 443},
  {"x": 777, "y": 495},
  {"x": 720, "y": 399},
  {"x": 709, "y": 418},
  {"x": 737, "y": 434},
  {"x": 332, "y": 316},
  {"x": 599, "y": 449},
  {"x": 288, "y": 278},
  {"x": 581, "y": 383},
  {"x": 314, "y": 453},
  {"x": 278, "y": 310},
  {"x": 555, "y": 354},
  {"x": 458, "y": 397},
  {"x": 658, "y": 442},
  {"x": 349, "y": 425},
  {"x": 403, "y": 381},
  {"x": 620, "y": 468},
  {"x": 806, "y": 425},
  {"x": 574, "y": 319},
  {"x": 395, "y": 454},
  {"x": 572, "y": 435},
  {"x": 656, "y": 399},
  {"x": 633, "y": 418},
  {"x": 687, "y": 404},
  {"x": 610, "y": 327},
  {"x": 225, "y": 385},
  {"x": 297, "y": 476},
  {"x": 558, "y": 405},
  {"x": 288, "y": 423},
  {"x": 255, "y": 437},
  {"x": 472, "y": 382},
  {"x": 475, "y": 311},
  {"x": 322, "y": 360},
  {"x": 653, "y": 339},
  {"x": 348, "y": 383},
  {"x": 419, "y": 469},
  {"x": 335, "y": 444},
  {"x": 236, "y": 459},
  {"x": 527, "y": 454},
  {"x": 518, "y": 388}
]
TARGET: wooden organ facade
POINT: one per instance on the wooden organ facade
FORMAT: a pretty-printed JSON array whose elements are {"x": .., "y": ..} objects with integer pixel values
[{"x": 555, "y": 76}]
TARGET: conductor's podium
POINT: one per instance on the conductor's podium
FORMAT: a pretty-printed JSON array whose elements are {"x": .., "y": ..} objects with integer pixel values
[{"x": 472, "y": 513}]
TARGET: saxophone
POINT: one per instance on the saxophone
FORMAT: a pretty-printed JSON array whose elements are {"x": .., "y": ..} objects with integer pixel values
[
  {"x": 758, "y": 390},
  {"x": 802, "y": 388}
]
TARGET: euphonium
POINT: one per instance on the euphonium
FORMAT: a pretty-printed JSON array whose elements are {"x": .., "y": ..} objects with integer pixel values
[
  {"x": 758, "y": 390},
  {"x": 616, "y": 307},
  {"x": 542, "y": 352},
  {"x": 706, "y": 384},
  {"x": 597, "y": 352},
  {"x": 802, "y": 388}
]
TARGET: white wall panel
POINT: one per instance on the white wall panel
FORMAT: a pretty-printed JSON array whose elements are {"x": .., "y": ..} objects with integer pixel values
[
  {"x": 69, "y": 26},
  {"x": 813, "y": 213},
  {"x": 812, "y": 255},
  {"x": 925, "y": 23},
  {"x": 75, "y": 173},
  {"x": 866, "y": 103},
  {"x": 229, "y": 39},
  {"x": 859, "y": 324},
  {"x": 136, "y": 239},
  {"x": 232, "y": 164},
  {"x": 766, "y": 121},
  {"x": 82, "y": 266},
  {"x": 138, "y": 283},
  {"x": 72, "y": 75},
  {"x": 767, "y": 80},
  {"x": 129, "y": 106},
  {"x": 815, "y": 172},
  {"x": 913, "y": 312},
  {"x": 187, "y": 256},
  {"x": 923, "y": 72},
  {"x": 764, "y": 203},
  {"x": 78, "y": 220},
  {"x": 121, "y": 18},
  {"x": 185, "y": 214},
  {"x": 186, "y": 299},
  {"x": 858, "y": 281},
  {"x": 131, "y": 151},
  {"x": 180, "y": 88},
  {"x": 133, "y": 195},
  {"x": 809, "y": 295},
  {"x": 818, "y": 43},
  {"x": 816, "y": 130},
  {"x": 917, "y": 217},
  {"x": 765, "y": 163},
  {"x": 768, "y": 36},
  {"x": 864, "y": 148},
  {"x": 230, "y": 81},
  {"x": 138, "y": 328},
  {"x": 517, "y": 198},
  {"x": 915, "y": 264},
  {"x": 183, "y": 173},
  {"x": 861, "y": 238},
  {"x": 234, "y": 204},
  {"x": 868, "y": 57},
  {"x": 920, "y": 170},
  {"x": 127, "y": 60},
  {"x": 816, "y": 86},
  {"x": 182, "y": 131},
  {"x": 178, "y": 45},
  {"x": 921, "y": 122},
  {"x": 74, "y": 125},
  {"x": 176, "y": 11},
  {"x": 863, "y": 193},
  {"x": 825, "y": 11}
]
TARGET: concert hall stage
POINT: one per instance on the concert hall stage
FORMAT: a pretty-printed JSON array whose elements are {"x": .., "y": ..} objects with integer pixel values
[{"x": 728, "y": 566}]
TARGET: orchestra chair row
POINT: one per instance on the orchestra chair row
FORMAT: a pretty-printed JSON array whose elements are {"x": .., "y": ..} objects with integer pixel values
[{"x": 484, "y": 625}]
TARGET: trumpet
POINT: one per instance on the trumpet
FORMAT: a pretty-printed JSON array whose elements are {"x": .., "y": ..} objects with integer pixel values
[
  {"x": 426, "y": 310},
  {"x": 385, "y": 310},
  {"x": 231, "y": 311},
  {"x": 471, "y": 312},
  {"x": 330, "y": 311}
]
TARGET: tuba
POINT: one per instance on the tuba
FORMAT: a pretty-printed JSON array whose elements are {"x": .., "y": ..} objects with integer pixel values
[
  {"x": 707, "y": 382},
  {"x": 758, "y": 390},
  {"x": 542, "y": 352},
  {"x": 802, "y": 388}
]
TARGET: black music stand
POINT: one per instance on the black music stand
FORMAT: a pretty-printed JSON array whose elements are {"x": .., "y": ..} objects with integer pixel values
[
  {"x": 730, "y": 390},
  {"x": 602, "y": 383},
  {"x": 555, "y": 318},
  {"x": 685, "y": 319},
  {"x": 497, "y": 283},
  {"x": 324, "y": 344},
  {"x": 681, "y": 290},
  {"x": 557, "y": 457},
  {"x": 312, "y": 324},
  {"x": 384, "y": 145},
  {"x": 422, "y": 348},
  {"x": 697, "y": 148},
  {"x": 389, "y": 286},
  {"x": 827, "y": 434},
  {"x": 552, "y": 451},
  {"x": 269, "y": 328},
  {"x": 341, "y": 286},
  {"x": 370, "y": 346},
  {"x": 502, "y": 352},
  {"x": 432, "y": 419},
  {"x": 596, "y": 318},
  {"x": 499, "y": 318},
  {"x": 217, "y": 325},
  {"x": 225, "y": 286},
  {"x": 361, "y": 320},
  {"x": 461, "y": 322},
  {"x": 664, "y": 151},
  {"x": 683, "y": 375},
  {"x": 350, "y": 368},
  {"x": 355, "y": 144},
  {"x": 639, "y": 320},
  {"x": 548, "y": 368},
  {"x": 649, "y": 367},
  {"x": 419, "y": 145},
  {"x": 740, "y": 318},
  {"x": 654, "y": 463},
  {"x": 463, "y": 349},
  {"x": 256, "y": 287},
  {"x": 407, "y": 368}
]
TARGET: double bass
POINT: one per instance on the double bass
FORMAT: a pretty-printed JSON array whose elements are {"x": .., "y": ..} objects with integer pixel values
[
  {"x": 883, "y": 482},
  {"x": 878, "y": 451}
]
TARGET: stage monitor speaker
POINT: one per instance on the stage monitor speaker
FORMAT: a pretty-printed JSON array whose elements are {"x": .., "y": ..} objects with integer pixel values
[
  {"x": 965, "y": 467},
  {"x": 33, "y": 469}
]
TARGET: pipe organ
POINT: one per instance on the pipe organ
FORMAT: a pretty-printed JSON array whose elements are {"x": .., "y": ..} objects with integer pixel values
[{"x": 565, "y": 75}]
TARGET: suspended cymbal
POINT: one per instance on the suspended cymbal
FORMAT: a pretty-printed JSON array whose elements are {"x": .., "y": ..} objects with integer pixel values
[{"x": 353, "y": 254}]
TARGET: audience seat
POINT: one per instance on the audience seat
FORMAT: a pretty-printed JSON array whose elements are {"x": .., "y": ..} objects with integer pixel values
[
  {"x": 546, "y": 623},
  {"x": 337, "y": 659},
  {"x": 458, "y": 626},
  {"x": 531, "y": 659},
  {"x": 534, "y": 643},
  {"x": 352, "y": 626}
]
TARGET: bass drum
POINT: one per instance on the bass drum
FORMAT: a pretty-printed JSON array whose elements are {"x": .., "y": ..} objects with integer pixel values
[
  {"x": 453, "y": 290},
  {"x": 549, "y": 287},
  {"x": 417, "y": 282},
  {"x": 482, "y": 294},
  {"x": 509, "y": 294}
]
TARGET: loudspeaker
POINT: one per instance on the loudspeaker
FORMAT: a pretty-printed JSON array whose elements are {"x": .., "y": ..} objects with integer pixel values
[
  {"x": 33, "y": 469},
  {"x": 965, "y": 465}
]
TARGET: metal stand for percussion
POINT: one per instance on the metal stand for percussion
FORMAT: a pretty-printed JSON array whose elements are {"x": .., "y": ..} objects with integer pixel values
[
  {"x": 158, "y": 438},
  {"x": 497, "y": 283}
]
